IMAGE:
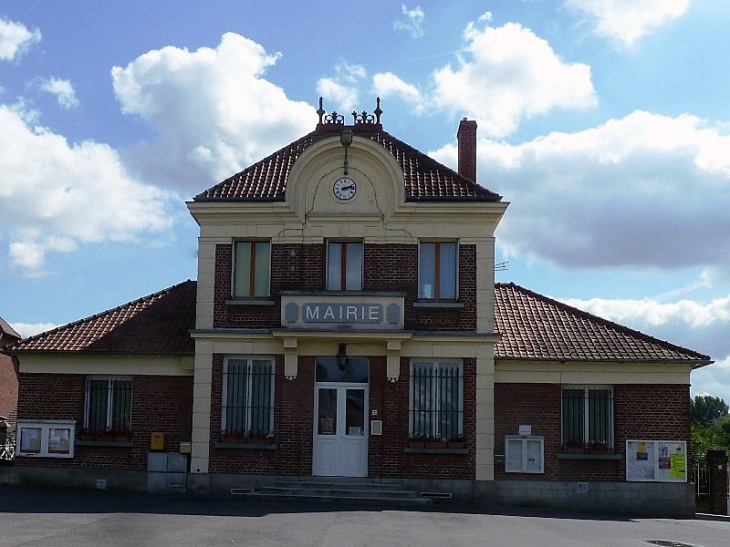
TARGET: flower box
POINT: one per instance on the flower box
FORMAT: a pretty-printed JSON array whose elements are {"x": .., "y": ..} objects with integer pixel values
[
  {"x": 260, "y": 440},
  {"x": 435, "y": 444},
  {"x": 233, "y": 440}
]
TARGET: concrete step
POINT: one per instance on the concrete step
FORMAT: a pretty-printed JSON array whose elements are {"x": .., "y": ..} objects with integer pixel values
[
  {"x": 339, "y": 499},
  {"x": 342, "y": 491},
  {"x": 341, "y": 485},
  {"x": 335, "y": 491}
]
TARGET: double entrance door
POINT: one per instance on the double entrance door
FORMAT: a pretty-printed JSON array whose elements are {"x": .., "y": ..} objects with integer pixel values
[{"x": 340, "y": 447}]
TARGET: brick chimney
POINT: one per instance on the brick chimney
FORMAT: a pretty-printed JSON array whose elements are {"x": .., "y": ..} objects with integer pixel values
[{"x": 467, "y": 143}]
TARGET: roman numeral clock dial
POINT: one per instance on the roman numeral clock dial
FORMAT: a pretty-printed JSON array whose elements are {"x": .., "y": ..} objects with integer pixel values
[{"x": 344, "y": 188}]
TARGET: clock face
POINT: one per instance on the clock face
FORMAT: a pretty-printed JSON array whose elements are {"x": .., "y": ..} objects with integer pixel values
[{"x": 344, "y": 188}]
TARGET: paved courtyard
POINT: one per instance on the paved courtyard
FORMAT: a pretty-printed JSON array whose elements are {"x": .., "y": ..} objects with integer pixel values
[{"x": 50, "y": 518}]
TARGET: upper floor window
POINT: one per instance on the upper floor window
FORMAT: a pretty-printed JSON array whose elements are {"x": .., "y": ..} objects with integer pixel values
[
  {"x": 108, "y": 405},
  {"x": 437, "y": 270},
  {"x": 251, "y": 271},
  {"x": 588, "y": 418},
  {"x": 344, "y": 265}
]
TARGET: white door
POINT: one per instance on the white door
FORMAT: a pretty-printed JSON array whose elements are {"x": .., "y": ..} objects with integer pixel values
[{"x": 340, "y": 430}]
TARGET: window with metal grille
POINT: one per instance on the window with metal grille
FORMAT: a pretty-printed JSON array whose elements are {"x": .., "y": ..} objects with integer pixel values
[
  {"x": 344, "y": 265},
  {"x": 108, "y": 405},
  {"x": 588, "y": 418},
  {"x": 436, "y": 408},
  {"x": 248, "y": 397},
  {"x": 251, "y": 269},
  {"x": 437, "y": 270}
]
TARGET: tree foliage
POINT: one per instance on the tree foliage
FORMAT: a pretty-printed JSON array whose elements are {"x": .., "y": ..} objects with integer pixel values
[
  {"x": 705, "y": 409},
  {"x": 710, "y": 424}
]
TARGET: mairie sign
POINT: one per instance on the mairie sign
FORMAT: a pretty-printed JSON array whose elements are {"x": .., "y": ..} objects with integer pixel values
[
  {"x": 364, "y": 314},
  {"x": 320, "y": 312}
]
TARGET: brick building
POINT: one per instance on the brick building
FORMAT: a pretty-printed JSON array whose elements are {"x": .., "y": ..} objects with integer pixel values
[
  {"x": 345, "y": 322},
  {"x": 8, "y": 374}
]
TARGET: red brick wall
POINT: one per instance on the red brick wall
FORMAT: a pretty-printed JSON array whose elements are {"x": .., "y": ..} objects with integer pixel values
[
  {"x": 159, "y": 403},
  {"x": 659, "y": 412},
  {"x": 8, "y": 385},
  {"x": 293, "y": 410},
  {"x": 293, "y": 416},
  {"x": 392, "y": 268},
  {"x": 387, "y": 457}
]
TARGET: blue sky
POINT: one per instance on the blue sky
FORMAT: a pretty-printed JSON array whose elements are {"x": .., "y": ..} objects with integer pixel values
[{"x": 604, "y": 123}]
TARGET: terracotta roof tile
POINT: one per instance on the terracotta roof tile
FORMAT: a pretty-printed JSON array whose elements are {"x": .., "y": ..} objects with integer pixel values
[
  {"x": 424, "y": 177},
  {"x": 155, "y": 324},
  {"x": 534, "y": 326}
]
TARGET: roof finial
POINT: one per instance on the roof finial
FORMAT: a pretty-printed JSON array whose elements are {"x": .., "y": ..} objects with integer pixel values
[{"x": 320, "y": 112}]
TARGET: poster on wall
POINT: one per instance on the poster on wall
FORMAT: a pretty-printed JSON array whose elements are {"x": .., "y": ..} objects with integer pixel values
[{"x": 659, "y": 461}]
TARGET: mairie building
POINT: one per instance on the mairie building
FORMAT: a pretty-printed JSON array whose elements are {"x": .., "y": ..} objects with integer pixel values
[{"x": 345, "y": 324}]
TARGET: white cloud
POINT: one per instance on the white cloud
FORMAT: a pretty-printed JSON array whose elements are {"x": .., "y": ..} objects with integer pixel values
[
  {"x": 55, "y": 195},
  {"x": 15, "y": 39},
  {"x": 205, "y": 106},
  {"x": 649, "y": 312},
  {"x": 713, "y": 380},
  {"x": 642, "y": 191},
  {"x": 342, "y": 88},
  {"x": 412, "y": 21},
  {"x": 624, "y": 22},
  {"x": 26, "y": 330},
  {"x": 63, "y": 90},
  {"x": 507, "y": 74},
  {"x": 388, "y": 84},
  {"x": 31, "y": 255}
]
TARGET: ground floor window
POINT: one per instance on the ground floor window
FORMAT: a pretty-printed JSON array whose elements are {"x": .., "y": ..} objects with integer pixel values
[
  {"x": 108, "y": 405},
  {"x": 248, "y": 397},
  {"x": 436, "y": 401},
  {"x": 587, "y": 416}
]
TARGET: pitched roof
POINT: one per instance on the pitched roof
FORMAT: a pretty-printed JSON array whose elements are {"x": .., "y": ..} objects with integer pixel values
[
  {"x": 424, "y": 177},
  {"x": 6, "y": 329},
  {"x": 534, "y": 326},
  {"x": 156, "y": 324}
]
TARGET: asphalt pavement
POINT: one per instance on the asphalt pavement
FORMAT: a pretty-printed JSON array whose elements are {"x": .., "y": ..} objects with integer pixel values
[{"x": 31, "y": 517}]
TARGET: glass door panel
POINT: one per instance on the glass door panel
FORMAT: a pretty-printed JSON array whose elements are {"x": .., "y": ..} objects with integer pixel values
[
  {"x": 355, "y": 412},
  {"x": 327, "y": 423}
]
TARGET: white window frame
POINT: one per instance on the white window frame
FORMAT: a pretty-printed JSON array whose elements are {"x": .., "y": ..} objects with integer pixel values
[
  {"x": 525, "y": 464},
  {"x": 249, "y": 387},
  {"x": 343, "y": 244},
  {"x": 586, "y": 412},
  {"x": 436, "y": 291},
  {"x": 249, "y": 293},
  {"x": 45, "y": 445},
  {"x": 110, "y": 399},
  {"x": 436, "y": 364}
]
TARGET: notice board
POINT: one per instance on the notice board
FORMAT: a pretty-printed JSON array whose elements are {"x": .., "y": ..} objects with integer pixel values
[{"x": 657, "y": 461}]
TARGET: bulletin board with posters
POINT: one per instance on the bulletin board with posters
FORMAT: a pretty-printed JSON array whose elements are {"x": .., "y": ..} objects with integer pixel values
[{"x": 656, "y": 461}]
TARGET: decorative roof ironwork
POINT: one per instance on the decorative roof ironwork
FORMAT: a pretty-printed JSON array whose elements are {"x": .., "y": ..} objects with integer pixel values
[{"x": 424, "y": 178}]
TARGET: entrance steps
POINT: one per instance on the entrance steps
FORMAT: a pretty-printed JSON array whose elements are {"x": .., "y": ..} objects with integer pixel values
[{"x": 343, "y": 491}]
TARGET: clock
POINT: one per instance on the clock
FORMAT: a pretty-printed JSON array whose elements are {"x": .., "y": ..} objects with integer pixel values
[{"x": 344, "y": 188}]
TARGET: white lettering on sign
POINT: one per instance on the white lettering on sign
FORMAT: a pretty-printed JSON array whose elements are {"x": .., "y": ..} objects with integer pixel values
[{"x": 343, "y": 313}]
